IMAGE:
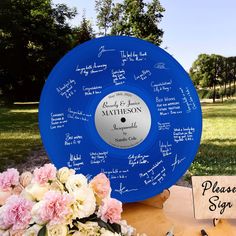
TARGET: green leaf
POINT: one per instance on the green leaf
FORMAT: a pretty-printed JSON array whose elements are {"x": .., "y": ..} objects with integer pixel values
[
  {"x": 105, "y": 225},
  {"x": 42, "y": 231},
  {"x": 116, "y": 227}
]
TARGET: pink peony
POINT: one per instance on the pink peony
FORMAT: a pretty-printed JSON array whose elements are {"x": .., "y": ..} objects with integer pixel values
[
  {"x": 55, "y": 207},
  {"x": 110, "y": 210},
  {"x": 101, "y": 185},
  {"x": 44, "y": 174},
  {"x": 9, "y": 179},
  {"x": 16, "y": 213}
]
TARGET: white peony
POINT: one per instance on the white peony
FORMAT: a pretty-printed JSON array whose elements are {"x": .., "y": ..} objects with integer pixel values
[
  {"x": 85, "y": 203},
  {"x": 64, "y": 173},
  {"x": 35, "y": 192},
  {"x": 32, "y": 231},
  {"x": 35, "y": 212},
  {"x": 56, "y": 230},
  {"x": 75, "y": 182}
]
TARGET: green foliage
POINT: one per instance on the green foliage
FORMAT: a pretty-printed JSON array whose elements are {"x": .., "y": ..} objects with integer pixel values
[
  {"x": 215, "y": 71},
  {"x": 104, "y": 19},
  {"x": 33, "y": 35},
  {"x": 84, "y": 32},
  {"x": 43, "y": 231},
  {"x": 131, "y": 17},
  {"x": 138, "y": 18}
]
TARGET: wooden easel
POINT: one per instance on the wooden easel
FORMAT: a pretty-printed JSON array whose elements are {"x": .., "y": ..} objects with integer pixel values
[{"x": 158, "y": 200}]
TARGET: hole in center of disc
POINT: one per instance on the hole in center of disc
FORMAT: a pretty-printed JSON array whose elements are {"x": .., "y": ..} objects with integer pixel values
[{"x": 123, "y": 119}]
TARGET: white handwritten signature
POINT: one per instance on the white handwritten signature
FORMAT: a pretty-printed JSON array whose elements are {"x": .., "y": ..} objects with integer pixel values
[
  {"x": 177, "y": 162},
  {"x": 123, "y": 189},
  {"x": 103, "y": 50}
]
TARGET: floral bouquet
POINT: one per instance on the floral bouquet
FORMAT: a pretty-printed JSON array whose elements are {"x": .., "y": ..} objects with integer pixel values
[{"x": 58, "y": 203}]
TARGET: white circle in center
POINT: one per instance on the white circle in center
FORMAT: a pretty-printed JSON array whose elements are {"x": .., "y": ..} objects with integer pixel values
[{"x": 122, "y": 119}]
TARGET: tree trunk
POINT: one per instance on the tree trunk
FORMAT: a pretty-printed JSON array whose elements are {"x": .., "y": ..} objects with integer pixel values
[
  {"x": 225, "y": 91},
  {"x": 234, "y": 86},
  {"x": 214, "y": 93}
]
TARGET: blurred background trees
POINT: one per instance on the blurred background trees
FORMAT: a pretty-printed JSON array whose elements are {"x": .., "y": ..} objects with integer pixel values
[
  {"x": 35, "y": 34},
  {"x": 215, "y": 76}
]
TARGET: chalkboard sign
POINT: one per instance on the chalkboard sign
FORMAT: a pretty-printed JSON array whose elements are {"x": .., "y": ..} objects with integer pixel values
[{"x": 121, "y": 106}]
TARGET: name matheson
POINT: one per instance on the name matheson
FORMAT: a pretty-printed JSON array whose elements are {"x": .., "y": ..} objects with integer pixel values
[{"x": 114, "y": 109}]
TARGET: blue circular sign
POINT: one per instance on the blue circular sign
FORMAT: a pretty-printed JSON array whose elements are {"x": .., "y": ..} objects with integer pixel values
[{"x": 125, "y": 107}]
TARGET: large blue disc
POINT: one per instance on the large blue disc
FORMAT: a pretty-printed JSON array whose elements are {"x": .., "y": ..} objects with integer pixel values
[{"x": 125, "y": 107}]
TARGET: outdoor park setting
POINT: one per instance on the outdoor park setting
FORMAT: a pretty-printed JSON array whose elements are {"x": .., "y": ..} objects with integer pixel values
[
  {"x": 30, "y": 48},
  {"x": 34, "y": 36}
]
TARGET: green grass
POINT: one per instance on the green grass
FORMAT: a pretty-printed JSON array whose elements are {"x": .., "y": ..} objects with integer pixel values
[
  {"x": 217, "y": 153},
  {"x": 19, "y": 134}
]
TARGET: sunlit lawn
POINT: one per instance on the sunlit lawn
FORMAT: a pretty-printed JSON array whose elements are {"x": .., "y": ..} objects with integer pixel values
[
  {"x": 217, "y": 153},
  {"x": 19, "y": 135}
]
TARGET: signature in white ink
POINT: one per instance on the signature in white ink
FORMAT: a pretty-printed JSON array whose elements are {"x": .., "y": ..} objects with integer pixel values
[
  {"x": 91, "y": 69},
  {"x": 103, "y": 50},
  {"x": 144, "y": 75},
  {"x": 118, "y": 76},
  {"x": 132, "y": 56},
  {"x": 165, "y": 148},
  {"x": 176, "y": 162},
  {"x": 123, "y": 189}
]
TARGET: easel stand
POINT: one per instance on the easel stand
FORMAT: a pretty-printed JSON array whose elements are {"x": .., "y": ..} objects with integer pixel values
[{"x": 158, "y": 200}]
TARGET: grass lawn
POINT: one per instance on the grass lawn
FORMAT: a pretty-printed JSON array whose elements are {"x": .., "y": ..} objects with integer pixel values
[
  {"x": 19, "y": 135},
  {"x": 217, "y": 153}
]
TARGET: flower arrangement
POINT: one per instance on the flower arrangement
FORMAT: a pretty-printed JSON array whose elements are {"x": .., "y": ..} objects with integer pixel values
[{"x": 51, "y": 202}]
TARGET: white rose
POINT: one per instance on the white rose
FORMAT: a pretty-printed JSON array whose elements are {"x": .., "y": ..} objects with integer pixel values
[
  {"x": 32, "y": 231},
  {"x": 4, "y": 233},
  {"x": 89, "y": 228},
  {"x": 55, "y": 230},
  {"x": 35, "y": 192},
  {"x": 75, "y": 182},
  {"x": 64, "y": 173},
  {"x": 105, "y": 232},
  {"x": 35, "y": 212},
  {"x": 126, "y": 229},
  {"x": 56, "y": 185},
  {"x": 85, "y": 203}
]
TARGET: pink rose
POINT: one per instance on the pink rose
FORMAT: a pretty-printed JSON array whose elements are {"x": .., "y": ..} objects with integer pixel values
[
  {"x": 101, "y": 185},
  {"x": 44, "y": 174},
  {"x": 9, "y": 179},
  {"x": 110, "y": 210},
  {"x": 16, "y": 213},
  {"x": 17, "y": 189},
  {"x": 25, "y": 178},
  {"x": 55, "y": 207}
]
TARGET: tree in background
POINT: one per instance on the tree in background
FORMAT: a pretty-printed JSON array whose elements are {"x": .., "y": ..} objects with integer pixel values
[
  {"x": 33, "y": 35},
  {"x": 84, "y": 32},
  {"x": 131, "y": 17},
  {"x": 104, "y": 20},
  {"x": 216, "y": 73}
]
